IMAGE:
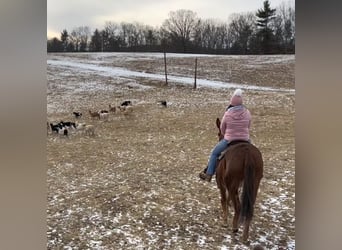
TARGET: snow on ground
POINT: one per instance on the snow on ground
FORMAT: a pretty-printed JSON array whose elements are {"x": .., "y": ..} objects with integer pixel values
[
  {"x": 91, "y": 65},
  {"x": 134, "y": 185},
  {"x": 121, "y": 72}
]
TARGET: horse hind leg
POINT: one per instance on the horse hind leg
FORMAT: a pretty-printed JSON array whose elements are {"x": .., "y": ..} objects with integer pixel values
[
  {"x": 237, "y": 208},
  {"x": 224, "y": 205}
]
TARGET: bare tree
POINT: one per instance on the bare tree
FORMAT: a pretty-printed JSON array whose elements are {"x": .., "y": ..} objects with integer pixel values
[
  {"x": 198, "y": 36},
  {"x": 85, "y": 34},
  {"x": 79, "y": 37},
  {"x": 137, "y": 35},
  {"x": 179, "y": 27},
  {"x": 75, "y": 40},
  {"x": 111, "y": 36},
  {"x": 152, "y": 36},
  {"x": 286, "y": 17},
  {"x": 222, "y": 37},
  {"x": 240, "y": 31},
  {"x": 265, "y": 31},
  {"x": 209, "y": 34},
  {"x": 127, "y": 34}
]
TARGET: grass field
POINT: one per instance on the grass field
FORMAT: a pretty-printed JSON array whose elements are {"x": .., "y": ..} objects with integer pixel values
[{"x": 135, "y": 185}]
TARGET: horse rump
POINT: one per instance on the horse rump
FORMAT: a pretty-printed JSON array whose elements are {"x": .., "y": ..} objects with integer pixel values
[{"x": 241, "y": 165}]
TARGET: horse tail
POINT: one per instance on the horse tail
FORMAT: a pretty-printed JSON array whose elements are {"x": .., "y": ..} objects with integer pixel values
[{"x": 248, "y": 191}]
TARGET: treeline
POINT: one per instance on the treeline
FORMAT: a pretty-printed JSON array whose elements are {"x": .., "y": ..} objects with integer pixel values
[{"x": 267, "y": 31}]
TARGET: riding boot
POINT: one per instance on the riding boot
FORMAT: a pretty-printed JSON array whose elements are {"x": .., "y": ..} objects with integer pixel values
[{"x": 205, "y": 177}]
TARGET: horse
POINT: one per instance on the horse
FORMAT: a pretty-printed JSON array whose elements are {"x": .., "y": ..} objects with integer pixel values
[{"x": 241, "y": 166}]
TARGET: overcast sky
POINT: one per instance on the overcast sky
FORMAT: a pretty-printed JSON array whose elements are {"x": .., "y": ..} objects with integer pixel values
[{"x": 69, "y": 14}]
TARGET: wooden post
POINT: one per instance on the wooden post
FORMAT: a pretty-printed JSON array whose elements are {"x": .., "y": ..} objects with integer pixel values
[
  {"x": 195, "y": 83},
  {"x": 165, "y": 67}
]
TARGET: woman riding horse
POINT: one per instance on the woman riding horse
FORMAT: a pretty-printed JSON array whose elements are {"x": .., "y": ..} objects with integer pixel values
[
  {"x": 240, "y": 168},
  {"x": 235, "y": 126}
]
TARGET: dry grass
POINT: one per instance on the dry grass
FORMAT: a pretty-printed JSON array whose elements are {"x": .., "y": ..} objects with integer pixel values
[{"x": 135, "y": 185}]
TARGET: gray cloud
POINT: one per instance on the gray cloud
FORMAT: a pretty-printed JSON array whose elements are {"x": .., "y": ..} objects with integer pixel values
[{"x": 69, "y": 14}]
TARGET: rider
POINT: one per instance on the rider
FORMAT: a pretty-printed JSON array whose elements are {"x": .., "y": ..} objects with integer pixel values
[{"x": 235, "y": 125}]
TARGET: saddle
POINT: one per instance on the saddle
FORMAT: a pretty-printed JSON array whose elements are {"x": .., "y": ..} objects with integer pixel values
[{"x": 231, "y": 144}]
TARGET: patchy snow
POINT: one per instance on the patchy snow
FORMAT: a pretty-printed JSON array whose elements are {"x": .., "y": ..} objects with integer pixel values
[
  {"x": 134, "y": 185},
  {"x": 122, "y": 72},
  {"x": 140, "y": 55}
]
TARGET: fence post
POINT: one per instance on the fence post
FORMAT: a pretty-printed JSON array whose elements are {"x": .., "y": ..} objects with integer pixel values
[
  {"x": 195, "y": 83},
  {"x": 165, "y": 67}
]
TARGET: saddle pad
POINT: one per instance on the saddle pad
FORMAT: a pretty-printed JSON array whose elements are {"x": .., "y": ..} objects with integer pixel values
[{"x": 230, "y": 144}]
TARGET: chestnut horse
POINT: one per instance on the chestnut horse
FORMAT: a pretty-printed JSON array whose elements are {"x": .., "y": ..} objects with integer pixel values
[{"x": 241, "y": 166}]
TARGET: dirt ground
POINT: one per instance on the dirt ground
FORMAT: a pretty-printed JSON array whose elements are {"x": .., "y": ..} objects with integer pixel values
[{"x": 134, "y": 184}]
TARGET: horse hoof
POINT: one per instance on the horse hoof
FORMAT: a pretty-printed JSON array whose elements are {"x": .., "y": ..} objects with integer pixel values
[
  {"x": 235, "y": 230},
  {"x": 244, "y": 239}
]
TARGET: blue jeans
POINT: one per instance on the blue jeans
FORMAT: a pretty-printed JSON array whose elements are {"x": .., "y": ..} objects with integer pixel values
[{"x": 220, "y": 146}]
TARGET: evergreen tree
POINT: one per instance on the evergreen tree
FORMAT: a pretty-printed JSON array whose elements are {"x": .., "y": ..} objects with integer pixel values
[
  {"x": 96, "y": 41},
  {"x": 64, "y": 39},
  {"x": 150, "y": 38},
  {"x": 105, "y": 40},
  {"x": 265, "y": 17},
  {"x": 54, "y": 45}
]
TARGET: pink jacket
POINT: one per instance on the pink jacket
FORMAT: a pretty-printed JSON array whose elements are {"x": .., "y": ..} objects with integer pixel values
[{"x": 235, "y": 123}]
